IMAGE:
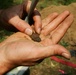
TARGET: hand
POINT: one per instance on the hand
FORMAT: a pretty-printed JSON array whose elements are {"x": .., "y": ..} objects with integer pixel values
[
  {"x": 19, "y": 49},
  {"x": 55, "y": 26},
  {"x": 11, "y": 18}
]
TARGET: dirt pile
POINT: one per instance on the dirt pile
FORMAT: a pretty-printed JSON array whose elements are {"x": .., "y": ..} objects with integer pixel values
[{"x": 70, "y": 36}]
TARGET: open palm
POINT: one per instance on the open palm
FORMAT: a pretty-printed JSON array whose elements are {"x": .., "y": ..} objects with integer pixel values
[{"x": 55, "y": 26}]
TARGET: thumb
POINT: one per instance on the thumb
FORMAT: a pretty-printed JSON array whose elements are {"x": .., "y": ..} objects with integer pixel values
[
  {"x": 55, "y": 50},
  {"x": 21, "y": 25}
]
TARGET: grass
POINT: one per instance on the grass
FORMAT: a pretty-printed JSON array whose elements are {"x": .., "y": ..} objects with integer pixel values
[{"x": 63, "y": 43}]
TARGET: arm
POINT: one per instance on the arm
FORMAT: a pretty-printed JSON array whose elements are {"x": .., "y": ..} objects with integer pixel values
[
  {"x": 13, "y": 18},
  {"x": 4, "y": 66},
  {"x": 0, "y": 11},
  {"x": 19, "y": 50},
  {"x": 3, "y": 69}
]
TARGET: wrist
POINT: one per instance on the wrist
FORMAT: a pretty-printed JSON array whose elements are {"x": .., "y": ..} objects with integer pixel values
[{"x": 5, "y": 65}]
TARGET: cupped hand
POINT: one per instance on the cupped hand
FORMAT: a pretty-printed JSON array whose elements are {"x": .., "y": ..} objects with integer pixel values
[{"x": 13, "y": 18}]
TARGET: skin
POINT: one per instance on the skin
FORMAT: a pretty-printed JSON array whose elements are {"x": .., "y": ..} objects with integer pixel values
[
  {"x": 13, "y": 18},
  {"x": 20, "y": 50}
]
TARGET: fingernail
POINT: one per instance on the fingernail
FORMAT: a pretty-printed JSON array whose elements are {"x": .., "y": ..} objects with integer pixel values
[
  {"x": 39, "y": 29},
  {"x": 66, "y": 55},
  {"x": 28, "y": 31}
]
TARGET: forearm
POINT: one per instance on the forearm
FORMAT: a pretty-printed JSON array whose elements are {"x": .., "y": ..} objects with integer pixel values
[
  {"x": 4, "y": 24},
  {"x": 0, "y": 11},
  {"x": 0, "y": 17},
  {"x": 5, "y": 66}
]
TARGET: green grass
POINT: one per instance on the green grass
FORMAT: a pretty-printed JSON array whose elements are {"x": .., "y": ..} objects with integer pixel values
[
  {"x": 63, "y": 43},
  {"x": 18, "y": 1}
]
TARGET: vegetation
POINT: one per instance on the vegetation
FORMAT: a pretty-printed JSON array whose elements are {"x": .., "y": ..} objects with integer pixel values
[
  {"x": 63, "y": 43},
  {"x": 8, "y": 3},
  {"x": 42, "y": 3},
  {"x": 45, "y": 3}
]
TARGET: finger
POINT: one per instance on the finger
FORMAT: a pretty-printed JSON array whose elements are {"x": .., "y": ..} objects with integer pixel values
[
  {"x": 61, "y": 30},
  {"x": 49, "y": 19},
  {"x": 51, "y": 26},
  {"x": 27, "y": 4},
  {"x": 21, "y": 25},
  {"x": 37, "y": 21},
  {"x": 35, "y": 16},
  {"x": 48, "y": 51}
]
